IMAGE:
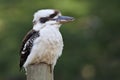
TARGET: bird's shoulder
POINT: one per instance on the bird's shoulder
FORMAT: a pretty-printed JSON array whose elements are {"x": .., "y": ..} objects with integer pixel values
[{"x": 29, "y": 37}]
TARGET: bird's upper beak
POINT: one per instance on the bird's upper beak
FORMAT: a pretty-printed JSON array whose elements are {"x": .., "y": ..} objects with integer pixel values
[{"x": 64, "y": 19}]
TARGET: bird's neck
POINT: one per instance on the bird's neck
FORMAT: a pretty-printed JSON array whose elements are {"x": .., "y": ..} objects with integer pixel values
[{"x": 38, "y": 27}]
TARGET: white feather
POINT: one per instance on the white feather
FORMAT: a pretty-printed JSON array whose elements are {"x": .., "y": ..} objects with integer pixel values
[{"x": 47, "y": 48}]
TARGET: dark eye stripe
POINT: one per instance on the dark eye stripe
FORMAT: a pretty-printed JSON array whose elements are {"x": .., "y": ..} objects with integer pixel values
[
  {"x": 43, "y": 19},
  {"x": 54, "y": 14}
]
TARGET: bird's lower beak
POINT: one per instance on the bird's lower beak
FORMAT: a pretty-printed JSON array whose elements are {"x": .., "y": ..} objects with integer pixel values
[{"x": 64, "y": 19}]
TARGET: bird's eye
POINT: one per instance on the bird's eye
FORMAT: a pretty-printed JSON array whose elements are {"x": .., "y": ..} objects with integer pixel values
[{"x": 43, "y": 19}]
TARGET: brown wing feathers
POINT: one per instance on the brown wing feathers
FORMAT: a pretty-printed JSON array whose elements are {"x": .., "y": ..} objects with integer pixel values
[{"x": 27, "y": 44}]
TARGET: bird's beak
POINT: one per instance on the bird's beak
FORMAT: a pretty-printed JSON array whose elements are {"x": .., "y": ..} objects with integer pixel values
[{"x": 64, "y": 19}]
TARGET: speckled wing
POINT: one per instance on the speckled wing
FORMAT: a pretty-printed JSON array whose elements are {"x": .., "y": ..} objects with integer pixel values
[{"x": 27, "y": 44}]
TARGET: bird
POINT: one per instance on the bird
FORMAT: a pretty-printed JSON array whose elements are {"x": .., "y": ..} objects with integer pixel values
[{"x": 44, "y": 42}]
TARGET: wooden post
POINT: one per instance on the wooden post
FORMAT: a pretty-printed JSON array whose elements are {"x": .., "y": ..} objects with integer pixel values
[{"x": 39, "y": 72}]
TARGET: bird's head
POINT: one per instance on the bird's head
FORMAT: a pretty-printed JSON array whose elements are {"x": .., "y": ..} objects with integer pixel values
[{"x": 48, "y": 17}]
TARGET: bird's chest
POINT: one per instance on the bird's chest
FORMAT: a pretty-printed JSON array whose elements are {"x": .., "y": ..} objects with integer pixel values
[
  {"x": 51, "y": 36},
  {"x": 50, "y": 41},
  {"x": 48, "y": 46}
]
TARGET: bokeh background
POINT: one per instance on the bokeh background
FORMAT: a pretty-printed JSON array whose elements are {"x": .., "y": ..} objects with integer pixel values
[{"x": 92, "y": 41}]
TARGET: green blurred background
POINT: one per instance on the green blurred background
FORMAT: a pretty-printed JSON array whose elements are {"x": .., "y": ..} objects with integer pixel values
[{"x": 92, "y": 41}]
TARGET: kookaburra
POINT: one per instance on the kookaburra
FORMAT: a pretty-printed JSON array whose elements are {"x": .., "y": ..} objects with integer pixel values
[{"x": 43, "y": 43}]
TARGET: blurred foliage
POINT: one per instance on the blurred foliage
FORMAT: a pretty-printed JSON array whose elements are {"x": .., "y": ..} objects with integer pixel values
[{"x": 92, "y": 41}]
